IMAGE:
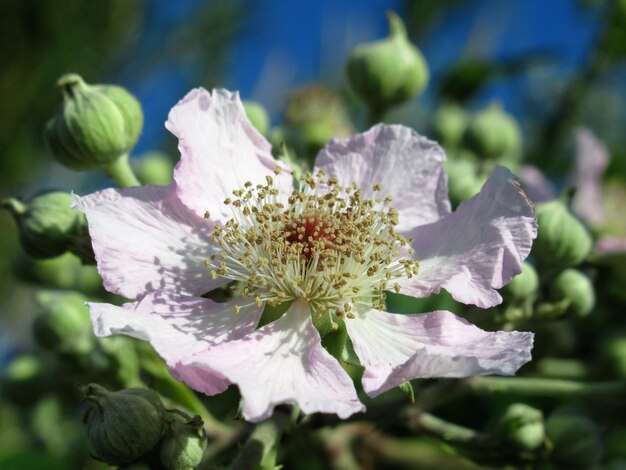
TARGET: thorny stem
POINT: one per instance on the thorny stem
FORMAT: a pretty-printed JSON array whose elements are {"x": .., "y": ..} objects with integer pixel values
[
  {"x": 260, "y": 450},
  {"x": 545, "y": 387},
  {"x": 121, "y": 173}
]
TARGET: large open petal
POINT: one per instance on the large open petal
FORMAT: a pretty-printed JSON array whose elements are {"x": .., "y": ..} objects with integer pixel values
[
  {"x": 220, "y": 151},
  {"x": 145, "y": 239},
  {"x": 283, "y": 362},
  {"x": 479, "y": 247},
  {"x": 395, "y": 348},
  {"x": 178, "y": 326},
  {"x": 408, "y": 167}
]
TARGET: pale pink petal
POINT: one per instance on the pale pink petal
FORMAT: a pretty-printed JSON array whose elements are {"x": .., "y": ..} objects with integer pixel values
[
  {"x": 537, "y": 187},
  {"x": 592, "y": 158},
  {"x": 408, "y": 167},
  {"x": 220, "y": 151},
  {"x": 145, "y": 239},
  {"x": 395, "y": 348},
  {"x": 608, "y": 245},
  {"x": 178, "y": 326},
  {"x": 478, "y": 248},
  {"x": 283, "y": 362}
]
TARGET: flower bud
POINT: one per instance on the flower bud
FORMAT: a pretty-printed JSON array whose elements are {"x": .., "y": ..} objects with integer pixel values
[
  {"x": 449, "y": 125},
  {"x": 64, "y": 325},
  {"x": 154, "y": 168},
  {"x": 183, "y": 445},
  {"x": 576, "y": 439},
  {"x": 463, "y": 179},
  {"x": 317, "y": 114},
  {"x": 493, "y": 134},
  {"x": 521, "y": 426},
  {"x": 121, "y": 426},
  {"x": 614, "y": 355},
  {"x": 524, "y": 285},
  {"x": 24, "y": 380},
  {"x": 562, "y": 240},
  {"x": 258, "y": 116},
  {"x": 576, "y": 289},
  {"x": 47, "y": 224},
  {"x": 95, "y": 126},
  {"x": 62, "y": 272},
  {"x": 387, "y": 72}
]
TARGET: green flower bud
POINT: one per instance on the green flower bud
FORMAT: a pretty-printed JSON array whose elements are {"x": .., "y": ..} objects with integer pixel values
[
  {"x": 154, "y": 168},
  {"x": 64, "y": 325},
  {"x": 48, "y": 225},
  {"x": 62, "y": 272},
  {"x": 317, "y": 114},
  {"x": 463, "y": 180},
  {"x": 521, "y": 426},
  {"x": 95, "y": 126},
  {"x": 449, "y": 125},
  {"x": 24, "y": 380},
  {"x": 576, "y": 439},
  {"x": 562, "y": 240},
  {"x": 258, "y": 116},
  {"x": 493, "y": 134},
  {"x": 121, "y": 426},
  {"x": 575, "y": 288},
  {"x": 388, "y": 72},
  {"x": 183, "y": 445},
  {"x": 524, "y": 285}
]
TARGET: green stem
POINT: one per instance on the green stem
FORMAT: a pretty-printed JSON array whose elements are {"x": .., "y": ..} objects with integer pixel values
[
  {"x": 546, "y": 387},
  {"x": 261, "y": 448},
  {"x": 121, "y": 172},
  {"x": 444, "y": 430},
  {"x": 15, "y": 207}
]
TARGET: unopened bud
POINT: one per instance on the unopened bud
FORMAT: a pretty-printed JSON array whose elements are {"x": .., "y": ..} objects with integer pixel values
[
  {"x": 449, "y": 125},
  {"x": 47, "y": 224},
  {"x": 524, "y": 285},
  {"x": 24, "y": 380},
  {"x": 521, "y": 426},
  {"x": 493, "y": 134},
  {"x": 258, "y": 116},
  {"x": 154, "y": 168},
  {"x": 121, "y": 426},
  {"x": 95, "y": 126},
  {"x": 388, "y": 72},
  {"x": 562, "y": 240},
  {"x": 463, "y": 179},
  {"x": 183, "y": 445},
  {"x": 64, "y": 325},
  {"x": 574, "y": 288}
]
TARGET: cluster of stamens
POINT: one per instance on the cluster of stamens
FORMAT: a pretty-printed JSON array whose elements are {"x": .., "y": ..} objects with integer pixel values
[{"x": 326, "y": 245}]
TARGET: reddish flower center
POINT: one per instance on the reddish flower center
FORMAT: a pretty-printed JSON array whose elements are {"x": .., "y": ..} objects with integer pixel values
[{"x": 310, "y": 233}]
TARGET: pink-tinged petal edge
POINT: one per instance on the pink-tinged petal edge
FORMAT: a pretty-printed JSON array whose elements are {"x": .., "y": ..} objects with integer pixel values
[
  {"x": 178, "y": 326},
  {"x": 283, "y": 362},
  {"x": 395, "y": 348},
  {"x": 408, "y": 167},
  {"x": 145, "y": 239},
  {"x": 537, "y": 187},
  {"x": 220, "y": 151},
  {"x": 478, "y": 248}
]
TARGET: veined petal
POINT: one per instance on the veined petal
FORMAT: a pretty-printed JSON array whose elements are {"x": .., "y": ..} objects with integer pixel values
[
  {"x": 283, "y": 362},
  {"x": 145, "y": 239},
  {"x": 395, "y": 348},
  {"x": 478, "y": 248},
  {"x": 220, "y": 151},
  {"x": 408, "y": 167},
  {"x": 179, "y": 326}
]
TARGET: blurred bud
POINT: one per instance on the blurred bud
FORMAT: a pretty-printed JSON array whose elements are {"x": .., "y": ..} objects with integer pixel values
[
  {"x": 388, "y": 72},
  {"x": 48, "y": 225},
  {"x": 154, "y": 168},
  {"x": 318, "y": 114},
  {"x": 95, "y": 126},
  {"x": 183, "y": 445},
  {"x": 521, "y": 426},
  {"x": 449, "y": 124},
  {"x": 121, "y": 426},
  {"x": 493, "y": 133},
  {"x": 114, "y": 361},
  {"x": 575, "y": 288},
  {"x": 614, "y": 355},
  {"x": 524, "y": 285},
  {"x": 63, "y": 272},
  {"x": 257, "y": 115},
  {"x": 463, "y": 179},
  {"x": 575, "y": 437},
  {"x": 562, "y": 240},
  {"x": 64, "y": 325},
  {"x": 24, "y": 380}
]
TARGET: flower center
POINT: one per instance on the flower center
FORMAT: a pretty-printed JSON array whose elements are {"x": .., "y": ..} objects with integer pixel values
[{"x": 326, "y": 244}]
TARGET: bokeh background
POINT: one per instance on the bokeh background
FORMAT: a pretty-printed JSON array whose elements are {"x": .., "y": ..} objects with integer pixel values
[{"x": 553, "y": 65}]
